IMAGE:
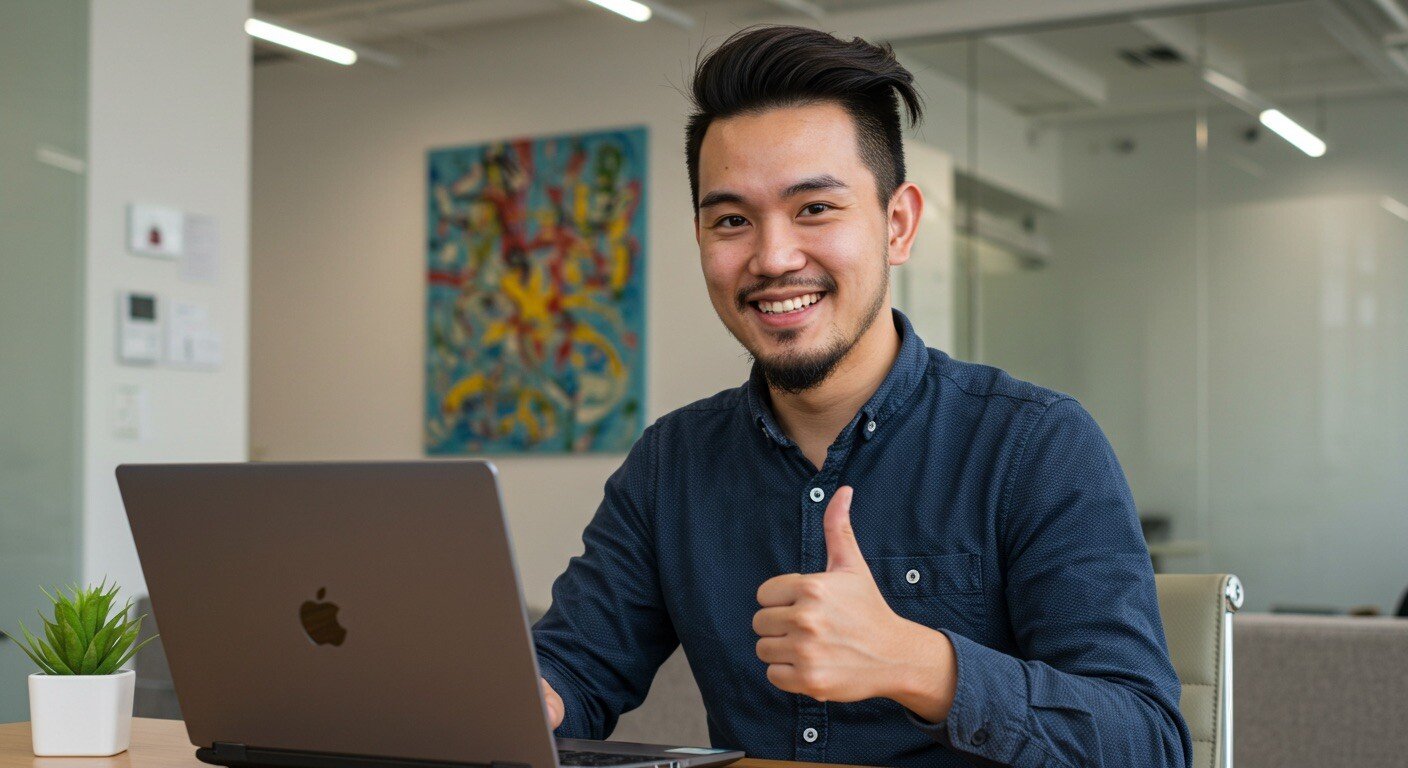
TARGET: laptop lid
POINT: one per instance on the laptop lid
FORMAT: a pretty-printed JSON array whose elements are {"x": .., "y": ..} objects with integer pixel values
[{"x": 348, "y": 608}]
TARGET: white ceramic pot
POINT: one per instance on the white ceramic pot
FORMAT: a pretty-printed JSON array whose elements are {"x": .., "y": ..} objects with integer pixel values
[{"x": 81, "y": 715}]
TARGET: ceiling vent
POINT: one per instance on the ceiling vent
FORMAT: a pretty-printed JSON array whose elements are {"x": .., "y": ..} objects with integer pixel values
[{"x": 1152, "y": 56}]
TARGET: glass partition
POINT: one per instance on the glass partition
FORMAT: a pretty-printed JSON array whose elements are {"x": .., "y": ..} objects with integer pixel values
[
  {"x": 1230, "y": 303},
  {"x": 43, "y": 104}
]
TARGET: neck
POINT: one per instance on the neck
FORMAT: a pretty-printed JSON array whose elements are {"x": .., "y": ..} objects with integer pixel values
[{"x": 813, "y": 418}]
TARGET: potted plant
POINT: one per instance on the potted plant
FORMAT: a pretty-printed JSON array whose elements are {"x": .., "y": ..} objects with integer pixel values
[{"x": 80, "y": 700}]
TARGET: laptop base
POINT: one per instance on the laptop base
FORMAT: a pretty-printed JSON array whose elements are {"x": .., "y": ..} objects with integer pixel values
[{"x": 240, "y": 756}]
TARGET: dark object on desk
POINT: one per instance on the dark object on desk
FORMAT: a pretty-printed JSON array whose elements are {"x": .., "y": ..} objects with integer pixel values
[
  {"x": 155, "y": 695},
  {"x": 1403, "y": 605},
  {"x": 234, "y": 552}
]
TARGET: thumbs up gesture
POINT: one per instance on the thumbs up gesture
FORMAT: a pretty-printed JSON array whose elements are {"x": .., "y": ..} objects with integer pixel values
[{"x": 832, "y": 636}]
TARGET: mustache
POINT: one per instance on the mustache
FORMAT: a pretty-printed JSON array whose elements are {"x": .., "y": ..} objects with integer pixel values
[{"x": 820, "y": 284}]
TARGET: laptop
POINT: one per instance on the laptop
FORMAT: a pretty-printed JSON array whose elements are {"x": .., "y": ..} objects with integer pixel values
[{"x": 351, "y": 614}]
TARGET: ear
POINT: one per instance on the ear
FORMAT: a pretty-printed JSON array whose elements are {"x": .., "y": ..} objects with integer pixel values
[{"x": 906, "y": 207}]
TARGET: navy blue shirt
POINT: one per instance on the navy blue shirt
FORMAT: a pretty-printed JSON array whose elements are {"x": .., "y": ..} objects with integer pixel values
[{"x": 1003, "y": 498}]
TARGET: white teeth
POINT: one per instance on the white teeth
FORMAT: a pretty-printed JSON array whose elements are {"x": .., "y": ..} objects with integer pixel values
[{"x": 789, "y": 305}]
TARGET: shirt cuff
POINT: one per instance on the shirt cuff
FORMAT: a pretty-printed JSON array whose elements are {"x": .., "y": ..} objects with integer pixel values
[
  {"x": 989, "y": 706},
  {"x": 575, "y": 724}
]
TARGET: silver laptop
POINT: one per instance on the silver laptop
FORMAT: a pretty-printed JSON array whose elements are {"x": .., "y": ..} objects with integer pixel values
[{"x": 363, "y": 614}]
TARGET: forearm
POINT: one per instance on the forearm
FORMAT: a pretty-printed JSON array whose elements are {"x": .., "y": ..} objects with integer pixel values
[
  {"x": 583, "y": 717},
  {"x": 1015, "y": 712},
  {"x": 925, "y": 681}
]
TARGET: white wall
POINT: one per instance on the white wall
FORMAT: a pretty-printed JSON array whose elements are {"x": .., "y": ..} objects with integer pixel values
[
  {"x": 338, "y": 284},
  {"x": 1301, "y": 486},
  {"x": 168, "y": 123}
]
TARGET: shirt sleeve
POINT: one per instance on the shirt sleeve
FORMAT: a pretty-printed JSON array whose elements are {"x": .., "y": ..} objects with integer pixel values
[
  {"x": 1093, "y": 684},
  {"x": 607, "y": 631}
]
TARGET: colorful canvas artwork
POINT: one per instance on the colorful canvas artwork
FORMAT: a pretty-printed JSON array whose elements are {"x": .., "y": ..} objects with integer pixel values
[{"x": 535, "y": 311}]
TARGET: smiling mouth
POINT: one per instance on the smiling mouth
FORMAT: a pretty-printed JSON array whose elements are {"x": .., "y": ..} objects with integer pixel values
[{"x": 786, "y": 306}]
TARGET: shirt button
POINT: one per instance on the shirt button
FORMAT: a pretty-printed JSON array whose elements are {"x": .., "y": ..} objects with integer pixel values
[
  {"x": 980, "y": 737},
  {"x": 809, "y": 735},
  {"x": 912, "y": 577},
  {"x": 870, "y": 427},
  {"x": 818, "y": 494}
]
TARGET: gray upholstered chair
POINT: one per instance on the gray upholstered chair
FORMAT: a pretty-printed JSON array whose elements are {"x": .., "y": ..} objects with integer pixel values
[
  {"x": 1197, "y": 613},
  {"x": 1322, "y": 691}
]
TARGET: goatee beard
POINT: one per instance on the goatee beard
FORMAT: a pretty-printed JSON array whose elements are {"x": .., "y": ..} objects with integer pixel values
[
  {"x": 797, "y": 373},
  {"x": 794, "y": 374}
]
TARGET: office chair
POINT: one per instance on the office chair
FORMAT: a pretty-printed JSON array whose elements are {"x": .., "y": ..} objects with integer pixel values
[{"x": 1197, "y": 613}]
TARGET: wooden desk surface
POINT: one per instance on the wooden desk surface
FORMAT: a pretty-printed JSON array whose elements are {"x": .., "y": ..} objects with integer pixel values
[{"x": 160, "y": 744}]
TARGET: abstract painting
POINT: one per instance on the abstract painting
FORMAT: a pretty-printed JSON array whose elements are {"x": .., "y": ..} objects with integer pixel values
[{"x": 535, "y": 297}]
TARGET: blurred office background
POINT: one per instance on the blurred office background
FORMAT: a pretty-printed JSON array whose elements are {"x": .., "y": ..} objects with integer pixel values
[{"x": 1116, "y": 213}]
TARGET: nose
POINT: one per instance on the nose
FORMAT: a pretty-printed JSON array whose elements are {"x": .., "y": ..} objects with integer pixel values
[{"x": 776, "y": 251}]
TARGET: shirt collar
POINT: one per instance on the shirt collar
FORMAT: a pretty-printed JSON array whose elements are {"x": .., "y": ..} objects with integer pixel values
[{"x": 909, "y": 367}]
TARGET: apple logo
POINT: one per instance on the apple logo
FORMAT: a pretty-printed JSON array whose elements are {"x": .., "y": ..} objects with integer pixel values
[{"x": 320, "y": 621}]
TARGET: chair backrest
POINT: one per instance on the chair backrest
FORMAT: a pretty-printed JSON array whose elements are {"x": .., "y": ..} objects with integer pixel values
[
  {"x": 1321, "y": 691},
  {"x": 1197, "y": 613}
]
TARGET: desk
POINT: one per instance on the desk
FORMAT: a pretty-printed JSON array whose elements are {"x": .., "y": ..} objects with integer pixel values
[{"x": 162, "y": 744}]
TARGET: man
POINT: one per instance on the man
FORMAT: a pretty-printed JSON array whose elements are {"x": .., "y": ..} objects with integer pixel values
[{"x": 872, "y": 553}]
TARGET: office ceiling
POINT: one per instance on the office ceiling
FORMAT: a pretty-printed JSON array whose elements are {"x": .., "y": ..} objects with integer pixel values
[
  {"x": 1296, "y": 49},
  {"x": 1291, "y": 50}
]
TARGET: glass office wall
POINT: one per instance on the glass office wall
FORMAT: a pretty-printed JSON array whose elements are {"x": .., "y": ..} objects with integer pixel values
[
  {"x": 1232, "y": 309},
  {"x": 43, "y": 102}
]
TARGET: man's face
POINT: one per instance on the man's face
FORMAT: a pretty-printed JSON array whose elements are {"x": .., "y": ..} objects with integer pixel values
[{"x": 792, "y": 237}]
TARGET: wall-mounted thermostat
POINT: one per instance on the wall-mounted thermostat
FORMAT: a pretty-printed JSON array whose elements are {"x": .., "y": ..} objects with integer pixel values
[
  {"x": 138, "y": 328},
  {"x": 154, "y": 230}
]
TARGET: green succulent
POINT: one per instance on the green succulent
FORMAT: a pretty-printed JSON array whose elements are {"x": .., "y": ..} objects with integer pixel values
[{"x": 86, "y": 636}]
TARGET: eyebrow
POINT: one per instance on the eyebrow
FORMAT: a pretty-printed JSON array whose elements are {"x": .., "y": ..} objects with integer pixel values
[
  {"x": 811, "y": 184},
  {"x": 719, "y": 198}
]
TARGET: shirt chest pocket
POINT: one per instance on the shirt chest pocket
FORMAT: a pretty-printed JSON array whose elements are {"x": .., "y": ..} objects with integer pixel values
[{"x": 959, "y": 573}]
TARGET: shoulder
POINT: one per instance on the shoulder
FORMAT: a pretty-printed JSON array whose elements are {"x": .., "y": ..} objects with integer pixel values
[
  {"x": 715, "y": 413},
  {"x": 1021, "y": 411},
  {"x": 719, "y": 408},
  {"x": 988, "y": 383}
]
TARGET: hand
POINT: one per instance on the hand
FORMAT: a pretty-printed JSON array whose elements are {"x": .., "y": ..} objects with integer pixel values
[
  {"x": 556, "y": 709},
  {"x": 832, "y": 636}
]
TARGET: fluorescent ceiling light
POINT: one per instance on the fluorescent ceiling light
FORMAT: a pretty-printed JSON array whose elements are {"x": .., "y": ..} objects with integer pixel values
[
  {"x": 1248, "y": 100},
  {"x": 300, "y": 42},
  {"x": 1394, "y": 207},
  {"x": 629, "y": 8},
  {"x": 1292, "y": 131},
  {"x": 1233, "y": 91}
]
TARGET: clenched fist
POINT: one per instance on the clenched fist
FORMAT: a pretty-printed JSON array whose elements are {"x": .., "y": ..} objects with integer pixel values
[
  {"x": 556, "y": 709},
  {"x": 832, "y": 636}
]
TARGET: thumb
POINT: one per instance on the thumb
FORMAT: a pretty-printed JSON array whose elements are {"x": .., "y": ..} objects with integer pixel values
[{"x": 842, "y": 551}]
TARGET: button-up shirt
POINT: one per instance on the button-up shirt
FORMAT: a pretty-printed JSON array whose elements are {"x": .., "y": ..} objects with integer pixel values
[{"x": 988, "y": 508}]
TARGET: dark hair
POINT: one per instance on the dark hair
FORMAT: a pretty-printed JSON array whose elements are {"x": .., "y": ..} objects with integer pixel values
[{"x": 768, "y": 67}]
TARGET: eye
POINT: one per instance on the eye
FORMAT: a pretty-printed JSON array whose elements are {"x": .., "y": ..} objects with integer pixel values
[
  {"x": 730, "y": 222},
  {"x": 816, "y": 209}
]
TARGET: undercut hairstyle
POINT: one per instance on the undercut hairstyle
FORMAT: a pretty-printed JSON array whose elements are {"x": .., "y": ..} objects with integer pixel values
[{"x": 771, "y": 67}]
